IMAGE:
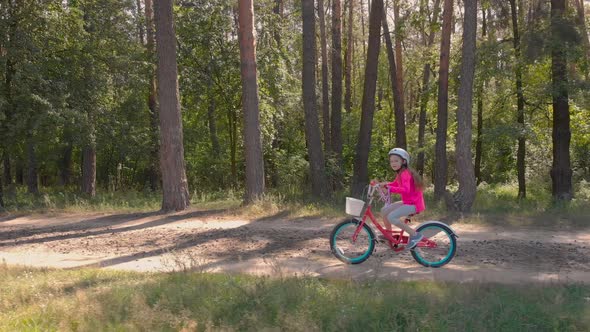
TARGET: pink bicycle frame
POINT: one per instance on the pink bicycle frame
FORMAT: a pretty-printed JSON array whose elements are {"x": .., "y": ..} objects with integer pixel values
[{"x": 396, "y": 238}]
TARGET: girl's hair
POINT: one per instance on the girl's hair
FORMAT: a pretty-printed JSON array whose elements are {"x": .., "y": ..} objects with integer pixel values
[{"x": 418, "y": 181}]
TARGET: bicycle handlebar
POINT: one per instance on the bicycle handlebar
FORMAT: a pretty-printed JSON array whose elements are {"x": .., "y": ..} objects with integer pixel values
[{"x": 373, "y": 186}]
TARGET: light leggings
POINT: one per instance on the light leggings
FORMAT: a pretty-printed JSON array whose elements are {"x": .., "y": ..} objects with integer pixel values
[{"x": 393, "y": 212}]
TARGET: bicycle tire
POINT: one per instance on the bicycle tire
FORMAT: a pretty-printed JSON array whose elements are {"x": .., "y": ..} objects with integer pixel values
[
  {"x": 348, "y": 251},
  {"x": 446, "y": 245}
]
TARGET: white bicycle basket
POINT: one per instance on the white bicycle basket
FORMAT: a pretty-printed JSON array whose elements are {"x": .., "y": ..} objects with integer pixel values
[{"x": 354, "y": 207}]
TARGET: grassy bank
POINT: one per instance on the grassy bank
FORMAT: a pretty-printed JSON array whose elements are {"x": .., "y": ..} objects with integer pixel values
[
  {"x": 93, "y": 300},
  {"x": 495, "y": 204}
]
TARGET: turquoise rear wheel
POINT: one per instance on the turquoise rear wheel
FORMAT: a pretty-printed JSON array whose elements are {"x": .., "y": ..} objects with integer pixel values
[
  {"x": 446, "y": 245},
  {"x": 348, "y": 250}
]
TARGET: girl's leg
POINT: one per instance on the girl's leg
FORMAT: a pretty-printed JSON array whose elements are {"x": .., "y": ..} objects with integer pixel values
[
  {"x": 387, "y": 210},
  {"x": 404, "y": 210}
]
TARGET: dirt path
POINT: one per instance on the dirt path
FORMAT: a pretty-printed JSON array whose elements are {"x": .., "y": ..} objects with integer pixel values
[{"x": 213, "y": 241}]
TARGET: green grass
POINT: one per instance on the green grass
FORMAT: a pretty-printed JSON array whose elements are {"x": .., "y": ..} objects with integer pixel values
[
  {"x": 98, "y": 300},
  {"x": 495, "y": 204},
  {"x": 499, "y": 205},
  {"x": 70, "y": 201}
]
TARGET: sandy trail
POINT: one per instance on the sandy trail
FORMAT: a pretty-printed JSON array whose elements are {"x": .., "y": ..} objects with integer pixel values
[{"x": 213, "y": 241}]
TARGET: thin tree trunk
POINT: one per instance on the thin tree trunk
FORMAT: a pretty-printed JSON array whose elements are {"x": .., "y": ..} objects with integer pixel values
[
  {"x": 363, "y": 29},
  {"x": 232, "y": 119},
  {"x": 479, "y": 137},
  {"x": 9, "y": 104},
  {"x": 252, "y": 136},
  {"x": 325, "y": 84},
  {"x": 312, "y": 127},
  {"x": 581, "y": 20},
  {"x": 174, "y": 181},
  {"x": 66, "y": 165},
  {"x": 140, "y": 31},
  {"x": 278, "y": 10},
  {"x": 420, "y": 160},
  {"x": 233, "y": 144},
  {"x": 399, "y": 59},
  {"x": 88, "y": 165},
  {"x": 348, "y": 60},
  {"x": 426, "y": 92},
  {"x": 398, "y": 104},
  {"x": 336, "y": 116},
  {"x": 1, "y": 196},
  {"x": 89, "y": 170},
  {"x": 360, "y": 170},
  {"x": 19, "y": 173},
  {"x": 154, "y": 166},
  {"x": 440, "y": 167},
  {"x": 7, "y": 169},
  {"x": 32, "y": 176},
  {"x": 215, "y": 146},
  {"x": 411, "y": 95},
  {"x": 561, "y": 172},
  {"x": 521, "y": 154},
  {"x": 480, "y": 89},
  {"x": 465, "y": 196}
]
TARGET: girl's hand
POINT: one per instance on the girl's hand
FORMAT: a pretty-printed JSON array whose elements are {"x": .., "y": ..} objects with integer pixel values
[{"x": 383, "y": 187}]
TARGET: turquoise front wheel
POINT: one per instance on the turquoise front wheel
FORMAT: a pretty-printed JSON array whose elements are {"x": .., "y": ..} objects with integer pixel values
[
  {"x": 438, "y": 246},
  {"x": 349, "y": 250}
]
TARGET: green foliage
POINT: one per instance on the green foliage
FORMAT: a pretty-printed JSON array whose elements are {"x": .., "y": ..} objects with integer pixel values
[{"x": 76, "y": 74}]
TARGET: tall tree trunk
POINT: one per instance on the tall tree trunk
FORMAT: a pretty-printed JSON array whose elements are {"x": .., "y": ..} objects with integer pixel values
[
  {"x": 252, "y": 136},
  {"x": 465, "y": 196},
  {"x": 440, "y": 165},
  {"x": 278, "y": 10},
  {"x": 9, "y": 104},
  {"x": 425, "y": 95},
  {"x": 399, "y": 60},
  {"x": 325, "y": 84},
  {"x": 32, "y": 176},
  {"x": 88, "y": 167},
  {"x": 581, "y": 20},
  {"x": 140, "y": 31},
  {"x": 561, "y": 173},
  {"x": 480, "y": 89},
  {"x": 312, "y": 127},
  {"x": 233, "y": 144},
  {"x": 154, "y": 163},
  {"x": 89, "y": 170},
  {"x": 66, "y": 164},
  {"x": 7, "y": 174},
  {"x": 19, "y": 173},
  {"x": 336, "y": 116},
  {"x": 398, "y": 104},
  {"x": 360, "y": 170},
  {"x": 362, "y": 11},
  {"x": 348, "y": 59},
  {"x": 174, "y": 182},
  {"x": 521, "y": 154},
  {"x": 479, "y": 136},
  {"x": 1, "y": 196},
  {"x": 215, "y": 146}
]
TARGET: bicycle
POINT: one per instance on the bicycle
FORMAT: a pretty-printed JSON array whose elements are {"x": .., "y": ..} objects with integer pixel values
[{"x": 353, "y": 241}]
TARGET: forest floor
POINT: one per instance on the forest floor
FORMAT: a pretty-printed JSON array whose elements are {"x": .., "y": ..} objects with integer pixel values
[{"x": 279, "y": 245}]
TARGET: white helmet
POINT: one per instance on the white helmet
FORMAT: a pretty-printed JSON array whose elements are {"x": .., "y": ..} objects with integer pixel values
[{"x": 401, "y": 153}]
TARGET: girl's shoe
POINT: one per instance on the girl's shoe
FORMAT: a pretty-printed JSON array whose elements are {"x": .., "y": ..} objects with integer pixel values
[{"x": 414, "y": 240}]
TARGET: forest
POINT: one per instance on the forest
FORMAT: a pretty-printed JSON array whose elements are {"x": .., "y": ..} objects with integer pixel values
[{"x": 302, "y": 98}]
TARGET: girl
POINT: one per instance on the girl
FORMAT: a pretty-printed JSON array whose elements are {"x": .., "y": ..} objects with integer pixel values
[{"x": 409, "y": 185}]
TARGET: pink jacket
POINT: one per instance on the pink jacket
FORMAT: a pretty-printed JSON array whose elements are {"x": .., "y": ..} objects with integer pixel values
[{"x": 404, "y": 185}]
